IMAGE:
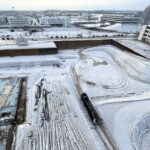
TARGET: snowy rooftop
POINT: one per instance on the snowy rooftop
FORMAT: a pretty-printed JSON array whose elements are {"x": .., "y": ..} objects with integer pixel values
[{"x": 37, "y": 45}]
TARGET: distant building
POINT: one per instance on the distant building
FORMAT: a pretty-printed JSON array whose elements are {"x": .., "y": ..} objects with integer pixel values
[
  {"x": 112, "y": 18},
  {"x": 145, "y": 34},
  {"x": 80, "y": 22},
  {"x": 55, "y": 21},
  {"x": 18, "y": 21},
  {"x": 145, "y": 20},
  {"x": 3, "y": 20},
  {"x": 117, "y": 18}
]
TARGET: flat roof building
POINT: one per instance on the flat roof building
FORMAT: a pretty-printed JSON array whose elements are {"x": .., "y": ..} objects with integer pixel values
[
  {"x": 115, "y": 18},
  {"x": 55, "y": 21},
  {"x": 18, "y": 21}
]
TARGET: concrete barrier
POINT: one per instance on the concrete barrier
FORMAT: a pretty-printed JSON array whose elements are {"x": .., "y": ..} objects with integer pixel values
[
  {"x": 67, "y": 44},
  {"x": 20, "y": 112},
  {"x": 81, "y": 43},
  {"x": 91, "y": 42},
  {"x": 21, "y": 52}
]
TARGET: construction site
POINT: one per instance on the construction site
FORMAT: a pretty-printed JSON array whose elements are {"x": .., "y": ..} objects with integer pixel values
[{"x": 78, "y": 94}]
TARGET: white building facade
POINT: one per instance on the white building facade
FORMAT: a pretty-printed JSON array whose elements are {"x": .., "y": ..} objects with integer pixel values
[
  {"x": 18, "y": 21},
  {"x": 55, "y": 21},
  {"x": 145, "y": 34},
  {"x": 116, "y": 18}
]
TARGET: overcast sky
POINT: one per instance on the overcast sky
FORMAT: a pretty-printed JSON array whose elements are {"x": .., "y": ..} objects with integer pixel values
[{"x": 74, "y": 4}]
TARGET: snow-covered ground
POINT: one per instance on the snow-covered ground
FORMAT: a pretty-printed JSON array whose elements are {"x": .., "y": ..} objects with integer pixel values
[
  {"x": 29, "y": 62},
  {"x": 105, "y": 73},
  {"x": 6, "y": 32},
  {"x": 95, "y": 25},
  {"x": 70, "y": 33},
  {"x": 127, "y": 122},
  {"x": 4, "y": 130},
  {"x": 124, "y": 27},
  {"x": 55, "y": 119},
  {"x": 112, "y": 72},
  {"x": 117, "y": 83},
  {"x": 137, "y": 46}
]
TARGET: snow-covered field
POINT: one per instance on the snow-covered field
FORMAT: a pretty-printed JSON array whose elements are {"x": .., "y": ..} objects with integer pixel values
[
  {"x": 112, "y": 72},
  {"x": 105, "y": 73},
  {"x": 55, "y": 119},
  {"x": 116, "y": 82}
]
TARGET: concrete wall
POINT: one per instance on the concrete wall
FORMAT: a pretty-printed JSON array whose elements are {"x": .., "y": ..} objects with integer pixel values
[
  {"x": 81, "y": 43},
  {"x": 20, "y": 113},
  {"x": 67, "y": 44},
  {"x": 21, "y": 52},
  {"x": 90, "y": 43}
]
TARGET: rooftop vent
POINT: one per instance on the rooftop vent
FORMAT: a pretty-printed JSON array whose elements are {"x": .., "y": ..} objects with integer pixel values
[{"x": 21, "y": 41}]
